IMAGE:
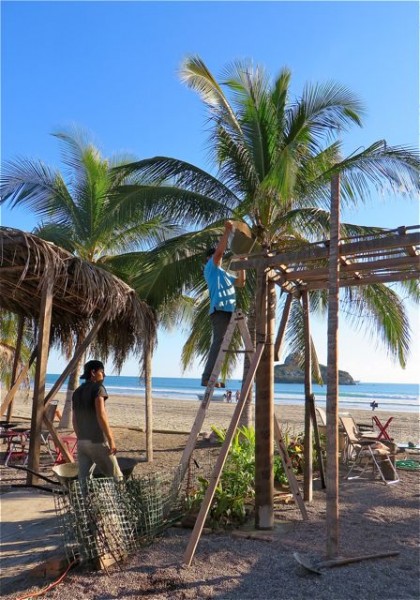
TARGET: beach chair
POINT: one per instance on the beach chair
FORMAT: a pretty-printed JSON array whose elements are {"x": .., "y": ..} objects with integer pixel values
[
  {"x": 322, "y": 428},
  {"x": 354, "y": 438},
  {"x": 363, "y": 452}
]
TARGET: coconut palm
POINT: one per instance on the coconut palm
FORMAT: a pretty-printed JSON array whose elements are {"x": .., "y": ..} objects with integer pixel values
[
  {"x": 16, "y": 346},
  {"x": 275, "y": 158},
  {"x": 94, "y": 211}
]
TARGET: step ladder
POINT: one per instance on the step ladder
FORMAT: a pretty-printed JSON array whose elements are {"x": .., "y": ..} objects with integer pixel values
[{"x": 237, "y": 320}]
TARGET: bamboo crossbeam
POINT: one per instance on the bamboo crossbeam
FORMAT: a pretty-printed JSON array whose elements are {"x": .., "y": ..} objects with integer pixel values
[
  {"x": 320, "y": 251},
  {"x": 389, "y": 278},
  {"x": 355, "y": 267}
]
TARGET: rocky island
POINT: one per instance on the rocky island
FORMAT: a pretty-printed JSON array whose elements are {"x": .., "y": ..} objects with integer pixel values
[{"x": 290, "y": 372}]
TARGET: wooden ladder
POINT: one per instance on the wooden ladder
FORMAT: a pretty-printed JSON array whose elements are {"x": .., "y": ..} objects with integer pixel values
[{"x": 237, "y": 320}]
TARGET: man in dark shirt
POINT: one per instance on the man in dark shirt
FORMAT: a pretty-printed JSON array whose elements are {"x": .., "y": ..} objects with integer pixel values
[{"x": 95, "y": 442}]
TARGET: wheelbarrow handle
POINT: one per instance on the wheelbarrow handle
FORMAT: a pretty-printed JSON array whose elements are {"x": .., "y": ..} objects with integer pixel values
[{"x": 47, "y": 479}]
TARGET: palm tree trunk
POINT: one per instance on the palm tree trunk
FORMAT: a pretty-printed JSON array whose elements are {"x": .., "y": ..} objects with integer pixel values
[
  {"x": 149, "y": 405},
  {"x": 264, "y": 409},
  {"x": 332, "y": 516}
]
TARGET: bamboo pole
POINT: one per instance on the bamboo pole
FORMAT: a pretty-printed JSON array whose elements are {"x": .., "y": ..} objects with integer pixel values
[
  {"x": 16, "y": 358},
  {"x": 264, "y": 406},
  {"x": 332, "y": 516},
  {"x": 45, "y": 313},
  {"x": 308, "y": 452},
  {"x": 148, "y": 406}
]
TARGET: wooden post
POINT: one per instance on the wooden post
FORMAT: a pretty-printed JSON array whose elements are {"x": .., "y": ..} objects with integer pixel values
[
  {"x": 308, "y": 452},
  {"x": 16, "y": 358},
  {"x": 332, "y": 517},
  {"x": 264, "y": 406},
  {"x": 45, "y": 313},
  {"x": 148, "y": 406}
]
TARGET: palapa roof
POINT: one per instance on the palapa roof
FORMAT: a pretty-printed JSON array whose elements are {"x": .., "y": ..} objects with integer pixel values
[{"x": 81, "y": 293}]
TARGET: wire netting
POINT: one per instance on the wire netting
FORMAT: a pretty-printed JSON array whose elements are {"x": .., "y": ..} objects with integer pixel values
[{"x": 104, "y": 517}]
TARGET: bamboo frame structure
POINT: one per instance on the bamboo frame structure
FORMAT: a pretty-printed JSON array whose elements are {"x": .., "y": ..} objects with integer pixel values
[{"x": 387, "y": 256}]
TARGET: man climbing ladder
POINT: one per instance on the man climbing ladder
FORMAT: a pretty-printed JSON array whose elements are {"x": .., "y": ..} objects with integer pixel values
[{"x": 221, "y": 285}]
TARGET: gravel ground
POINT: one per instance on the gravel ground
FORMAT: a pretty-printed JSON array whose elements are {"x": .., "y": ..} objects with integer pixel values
[{"x": 374, "y": 518}]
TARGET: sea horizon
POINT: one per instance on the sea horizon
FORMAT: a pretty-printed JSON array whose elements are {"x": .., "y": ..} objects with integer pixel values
[{"x": 388, "y": 396}]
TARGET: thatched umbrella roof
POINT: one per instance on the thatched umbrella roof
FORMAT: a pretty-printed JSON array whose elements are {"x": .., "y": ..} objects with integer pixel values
[{"x": 81, "y": 293}]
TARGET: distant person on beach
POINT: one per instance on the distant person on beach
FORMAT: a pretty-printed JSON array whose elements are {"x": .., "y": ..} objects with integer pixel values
[
  {"x": 222, "y": 298},
  {"x": 237, "y": 395},
  {"x": 95, "y": 441}
]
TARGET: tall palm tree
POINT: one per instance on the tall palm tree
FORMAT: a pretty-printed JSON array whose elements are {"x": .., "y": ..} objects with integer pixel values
[
  {"x": 16, "y": 345},
  {"x": 93, "y": 211},
  {"x": 275, "y": 157}
]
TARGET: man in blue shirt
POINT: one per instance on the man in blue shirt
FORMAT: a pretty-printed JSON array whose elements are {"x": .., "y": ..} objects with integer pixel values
[{"x": 222, "y": 298}]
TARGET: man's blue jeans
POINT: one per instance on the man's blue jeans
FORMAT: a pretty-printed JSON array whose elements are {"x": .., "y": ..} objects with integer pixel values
[{"x": 219, "y": 321}]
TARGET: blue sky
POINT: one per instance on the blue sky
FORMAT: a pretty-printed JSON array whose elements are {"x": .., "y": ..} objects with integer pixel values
[{"x": 111, "y": 68}]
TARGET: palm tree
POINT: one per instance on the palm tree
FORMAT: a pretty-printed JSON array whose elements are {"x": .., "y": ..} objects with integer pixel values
[
  {"x": 275, "y": 158},
  {"x": 97, "y": 213},
  {"x": 16, "y": 345}
]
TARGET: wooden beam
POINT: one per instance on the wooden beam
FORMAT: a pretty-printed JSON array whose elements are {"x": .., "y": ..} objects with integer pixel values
[
  {"x": 16, "y": 359},
  {"x": 389, "y": 278},
  {"x": 308, "y": 451},
  {"x": 39, "y": 382},
  {"x": 320, "y": 250},
  {"x": 355, "y": 267}
]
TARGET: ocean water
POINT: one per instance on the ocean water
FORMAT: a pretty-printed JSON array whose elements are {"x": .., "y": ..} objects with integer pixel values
[{"x": 389, "y": 396}]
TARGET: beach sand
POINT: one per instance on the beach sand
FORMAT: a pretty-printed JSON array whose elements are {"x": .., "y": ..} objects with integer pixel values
[
  {"x": 373, "y": 518},
  {"x": 178, "y": 415}
]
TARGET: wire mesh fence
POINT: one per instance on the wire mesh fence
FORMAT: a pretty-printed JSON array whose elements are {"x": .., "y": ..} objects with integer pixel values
[{"x": 108, "y": 518}]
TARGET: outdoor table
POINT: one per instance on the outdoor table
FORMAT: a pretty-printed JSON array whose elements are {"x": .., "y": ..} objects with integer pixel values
[{"x": 383, "y": 435}]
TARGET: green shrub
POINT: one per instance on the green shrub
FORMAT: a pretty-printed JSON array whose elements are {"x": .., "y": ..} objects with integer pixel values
[{"x": 235, "y": 491}]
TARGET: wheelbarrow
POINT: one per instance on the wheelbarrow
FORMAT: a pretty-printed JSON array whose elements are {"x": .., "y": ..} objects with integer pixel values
[{"x": 67, "y": 472}]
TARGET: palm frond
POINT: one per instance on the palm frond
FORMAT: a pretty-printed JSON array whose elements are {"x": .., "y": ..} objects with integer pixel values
[
  {"x": 379, "y": 312},
  {"x": 197, "y": 76}
]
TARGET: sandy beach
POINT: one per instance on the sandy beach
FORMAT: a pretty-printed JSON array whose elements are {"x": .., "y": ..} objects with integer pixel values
[
  {"x": 373, "y": 517},
  {"x": 179, "y": 415}
]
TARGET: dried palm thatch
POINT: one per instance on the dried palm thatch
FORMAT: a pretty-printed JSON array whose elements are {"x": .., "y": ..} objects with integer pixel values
[{"x": 82, "y": 291}]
